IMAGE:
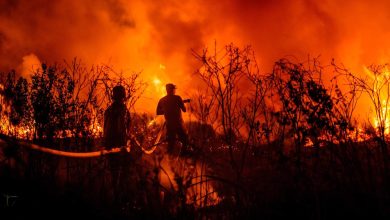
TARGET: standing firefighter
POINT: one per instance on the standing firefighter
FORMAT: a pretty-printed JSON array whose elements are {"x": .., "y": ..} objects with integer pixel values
[
  {"x": 116, "y": 120},
  {"x": 115, "y": 133},
  {"x": 171, "y": 107}
]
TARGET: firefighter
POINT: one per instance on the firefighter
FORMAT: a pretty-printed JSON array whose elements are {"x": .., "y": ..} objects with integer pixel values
[
  {"x": 116, "y": 120},
  {"x": 171, "y": 107},
  {"x": 115, "y": 134}
]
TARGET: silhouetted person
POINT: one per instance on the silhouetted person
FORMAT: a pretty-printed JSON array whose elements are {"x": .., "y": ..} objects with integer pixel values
[
  {"x": 115, "y": 134},
  {"x": 171, "y": 107},
  {"x": 116, "y": 120}
]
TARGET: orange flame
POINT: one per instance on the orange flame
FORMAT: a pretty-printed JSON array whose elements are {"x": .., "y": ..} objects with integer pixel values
[{"x": 381, "y": 117}]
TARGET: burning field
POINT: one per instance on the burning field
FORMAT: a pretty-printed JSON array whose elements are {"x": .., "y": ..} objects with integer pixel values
[{"x": 288, "y": 109}]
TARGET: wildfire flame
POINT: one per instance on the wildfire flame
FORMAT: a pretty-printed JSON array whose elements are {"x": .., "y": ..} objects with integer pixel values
[
  {"x": 27, "y": 131},
  {"x": 381, "y": 81},
  {"x": 96, "y": 129},
  {"x": 156, "y": 82},
  {"x": 158, "y": 86},
  {"x": 385, "y": 111}
]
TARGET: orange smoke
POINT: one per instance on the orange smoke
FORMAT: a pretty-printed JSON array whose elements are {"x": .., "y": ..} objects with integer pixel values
[{"x": 142, "y": 35}]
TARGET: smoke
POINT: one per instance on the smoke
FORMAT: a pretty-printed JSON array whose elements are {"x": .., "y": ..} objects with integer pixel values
[
  {"x": 143, "y": 35},
  {"x": 30, "y": 64},
  {"x": 57, "y": 30}
]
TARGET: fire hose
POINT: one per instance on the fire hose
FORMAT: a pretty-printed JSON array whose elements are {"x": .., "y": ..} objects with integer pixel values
[
  {"x": 93, "y": 153},
  {"x": 156, "y": 142}
]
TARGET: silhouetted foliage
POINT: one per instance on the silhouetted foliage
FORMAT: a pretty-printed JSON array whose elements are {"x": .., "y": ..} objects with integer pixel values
[
  {"x": 377, "y": 86},
  {"x": 16, "y": 93},
  {"x": 279, "y": 144},
  {"x": 306, "y": 105}
]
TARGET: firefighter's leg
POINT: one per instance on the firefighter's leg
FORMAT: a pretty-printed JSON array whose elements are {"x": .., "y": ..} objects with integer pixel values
[
  {"x": 183, "y": 137},
  {"x": 171, "y": 136}
]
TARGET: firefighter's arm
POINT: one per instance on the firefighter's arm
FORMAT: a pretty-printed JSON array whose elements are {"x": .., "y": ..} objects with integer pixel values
[
  {"x": 182, "y": 106},
  {"x": 159, "y": 110},
  {"x": 128, "y": 124},
  {"x": 128, "y": 119},
  {"x": 105, "y": 123}
]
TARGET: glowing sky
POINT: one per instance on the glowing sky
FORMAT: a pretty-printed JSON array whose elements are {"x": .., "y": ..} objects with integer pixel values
[{"x": 148, "y": 35}]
